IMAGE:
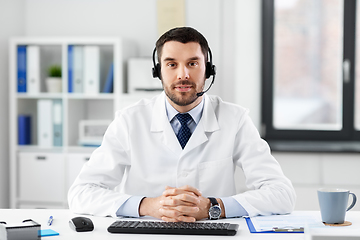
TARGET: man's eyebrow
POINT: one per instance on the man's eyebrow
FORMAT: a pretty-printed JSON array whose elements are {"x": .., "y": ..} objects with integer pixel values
[
  {"x": 168, "y": 59},
  {"x": 173, "y": 59},
  {"x": 194, "y": 58}
]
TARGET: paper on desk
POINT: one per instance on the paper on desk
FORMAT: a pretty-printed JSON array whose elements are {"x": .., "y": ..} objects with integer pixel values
[{"x": 267, "y": 223}]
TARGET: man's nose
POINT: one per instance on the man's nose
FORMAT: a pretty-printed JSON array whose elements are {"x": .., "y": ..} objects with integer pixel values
[{"x": 183, "y": 73}]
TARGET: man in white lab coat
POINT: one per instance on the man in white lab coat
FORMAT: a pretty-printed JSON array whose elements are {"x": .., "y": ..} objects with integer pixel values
[{"x": 157, "y": 161}]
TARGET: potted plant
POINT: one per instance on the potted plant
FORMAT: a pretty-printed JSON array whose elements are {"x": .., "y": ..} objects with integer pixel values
[{"x": 53, "y": 82}]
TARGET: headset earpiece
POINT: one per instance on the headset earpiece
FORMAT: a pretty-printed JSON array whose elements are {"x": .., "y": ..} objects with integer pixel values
[
  {"x": 156, "y": 71},
  {"x": 210, "y": 70}
]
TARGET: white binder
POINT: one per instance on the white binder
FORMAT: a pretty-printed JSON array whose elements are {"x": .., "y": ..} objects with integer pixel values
[
  {"x": 78, "y": 69},
  {"x": 91, "y": 69},
  {"x": 45, "y": 123},
  {"x": 33, "y": 69},
  {"x": 57, "y": 121}
]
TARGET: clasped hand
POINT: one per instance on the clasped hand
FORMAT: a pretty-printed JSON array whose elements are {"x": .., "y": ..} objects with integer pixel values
[{"x": 184, "y": 204}]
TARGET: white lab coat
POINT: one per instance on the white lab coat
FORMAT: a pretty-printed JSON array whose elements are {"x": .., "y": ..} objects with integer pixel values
[{"x": 141, "y": 153}]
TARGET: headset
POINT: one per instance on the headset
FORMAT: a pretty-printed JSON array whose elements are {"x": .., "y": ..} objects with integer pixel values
[{"x": 209, "y": 71}]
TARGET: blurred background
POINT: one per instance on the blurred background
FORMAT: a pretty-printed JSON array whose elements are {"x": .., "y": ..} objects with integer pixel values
[{"x": 287, "y": 61}]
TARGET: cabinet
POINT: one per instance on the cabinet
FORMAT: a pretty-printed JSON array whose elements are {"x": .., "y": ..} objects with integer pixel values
[
  {"x": 38, "y": 174},
  {"x": 42, "y": 170}
]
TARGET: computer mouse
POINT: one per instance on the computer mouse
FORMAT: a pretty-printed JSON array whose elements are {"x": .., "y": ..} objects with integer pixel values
[{"x": 81, "y": 224}]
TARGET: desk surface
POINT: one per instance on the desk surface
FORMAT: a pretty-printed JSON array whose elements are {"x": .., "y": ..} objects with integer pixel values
[{"x": 62, "y": 217}]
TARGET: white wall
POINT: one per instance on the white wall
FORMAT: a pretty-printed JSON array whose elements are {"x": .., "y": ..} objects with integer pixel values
[
  {"x": 309, "y": 171},
  {"x": 134, "y": 20},
  {"x": 11, "y": 23},
  {"x": 247, "y": 69}
]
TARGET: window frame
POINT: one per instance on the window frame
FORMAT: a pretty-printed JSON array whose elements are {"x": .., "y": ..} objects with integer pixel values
[{"x": 348, "y": 131}]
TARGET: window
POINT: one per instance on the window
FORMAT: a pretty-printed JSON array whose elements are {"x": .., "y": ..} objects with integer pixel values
[
  {"x": 308, "y": 70},
  {"x": 357, "y": 71}
]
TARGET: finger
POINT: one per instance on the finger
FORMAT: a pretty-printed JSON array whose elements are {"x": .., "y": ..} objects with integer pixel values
[
  {"x": 175, "y": 201},
  {"x": 179, "y": 219},
  {"x": 177, "y": 211},
  {"x": 176, "y": 191},
  {"x": 169, "y": 213},
  {"x": 181, "y": 199},
  {"x": 184, "y": 189},
  {"x": 186, "y": 219},
  {"x": 187, "y": 210},
  {"x": 167, "y": 219},
  {"x": 189, "y": 188},
  {"x": 186, "y": 198}
]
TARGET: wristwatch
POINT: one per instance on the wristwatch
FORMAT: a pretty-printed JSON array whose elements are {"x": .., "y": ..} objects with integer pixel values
[{"x": 215, "y": 209}]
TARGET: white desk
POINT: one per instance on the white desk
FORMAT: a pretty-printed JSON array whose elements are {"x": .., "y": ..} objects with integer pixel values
[{"x": 62, "y": 217}]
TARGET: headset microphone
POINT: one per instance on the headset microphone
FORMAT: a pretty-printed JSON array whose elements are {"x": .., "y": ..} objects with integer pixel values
[
  {"x": 212, "y": 82},
  {"x": 209, "y": 71}
]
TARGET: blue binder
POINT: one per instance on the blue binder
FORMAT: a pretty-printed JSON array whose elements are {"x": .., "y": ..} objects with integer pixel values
[
  {"x": 109, "y": 83},
  {"x": 24, "y": 129},
  {"x": 21, "y": 68},
  {"x": 70, "y": 68}
]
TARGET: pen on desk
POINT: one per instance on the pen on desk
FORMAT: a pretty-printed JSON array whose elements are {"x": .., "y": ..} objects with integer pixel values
[{"x": 50, "y": 221}]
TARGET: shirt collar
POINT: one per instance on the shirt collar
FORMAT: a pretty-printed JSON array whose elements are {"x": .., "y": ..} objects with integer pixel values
[{"x": 195, "y": 113}]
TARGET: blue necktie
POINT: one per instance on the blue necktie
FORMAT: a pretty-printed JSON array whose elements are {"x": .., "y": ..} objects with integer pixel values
[{"x": 184, "y": 132}]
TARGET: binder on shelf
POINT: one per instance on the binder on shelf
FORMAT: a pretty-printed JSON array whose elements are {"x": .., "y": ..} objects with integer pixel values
[
  {"x": 33, "y": 69},
  {"x": 45, "y": 123},
  {"x": 109, "y": 83},
  {"x": 24, "y": 129},
  {"x": 91, "y": 69},
  {"x": 57, "y": 120},
  {"x": 70, "y": 67},
  {"x": 21, "y": 68},
  {"x": 78, "y": 69}
]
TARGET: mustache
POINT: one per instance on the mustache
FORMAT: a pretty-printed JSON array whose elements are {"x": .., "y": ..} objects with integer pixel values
[{"x": 183, "y": 82}]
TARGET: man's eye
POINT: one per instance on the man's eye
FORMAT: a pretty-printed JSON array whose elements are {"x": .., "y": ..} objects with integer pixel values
[
  {"x": 171, "y": 64},
  {"x": 193, "y": 64}
]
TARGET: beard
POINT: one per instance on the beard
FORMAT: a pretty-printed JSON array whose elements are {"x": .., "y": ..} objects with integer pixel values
[{"x": 181, "y": 98}]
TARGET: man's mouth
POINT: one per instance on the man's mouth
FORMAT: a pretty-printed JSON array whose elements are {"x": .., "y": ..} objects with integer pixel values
[{"x": 183, "y": 88}]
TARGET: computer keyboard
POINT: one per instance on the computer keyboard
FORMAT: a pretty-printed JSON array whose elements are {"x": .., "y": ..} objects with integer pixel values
[{"x": 196, "y": 228}]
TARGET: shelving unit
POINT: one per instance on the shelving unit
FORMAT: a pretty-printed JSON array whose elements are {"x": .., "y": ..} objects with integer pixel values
[{"x": 39, "y": 176}]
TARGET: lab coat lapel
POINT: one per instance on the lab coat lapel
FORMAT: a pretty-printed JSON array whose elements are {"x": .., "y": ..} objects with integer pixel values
[
  {"x": 207, "y": 124},
  {"x": 161, "y": 125}
]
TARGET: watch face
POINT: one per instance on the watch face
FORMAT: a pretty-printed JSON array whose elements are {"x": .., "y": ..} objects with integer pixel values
[{"x": 215, "y": 212}]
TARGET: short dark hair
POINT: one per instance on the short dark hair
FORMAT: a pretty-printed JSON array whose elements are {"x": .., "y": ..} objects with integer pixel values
[{"x": 183, "y": 35}]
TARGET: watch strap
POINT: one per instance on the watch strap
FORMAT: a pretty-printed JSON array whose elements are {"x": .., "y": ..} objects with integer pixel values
[{"x": 213, "y": 201}]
